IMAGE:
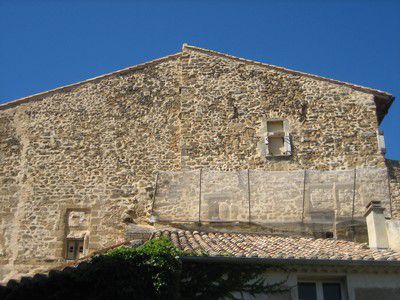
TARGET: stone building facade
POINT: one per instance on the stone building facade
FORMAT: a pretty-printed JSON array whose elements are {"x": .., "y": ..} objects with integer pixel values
[{"x": 79, "y": 162}]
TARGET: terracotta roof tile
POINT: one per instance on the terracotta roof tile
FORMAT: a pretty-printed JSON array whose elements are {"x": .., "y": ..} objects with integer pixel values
[{"x": 273, "y": 246}]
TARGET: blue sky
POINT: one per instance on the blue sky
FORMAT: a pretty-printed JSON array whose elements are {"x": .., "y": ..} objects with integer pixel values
[{"x": 46, "y": 44}]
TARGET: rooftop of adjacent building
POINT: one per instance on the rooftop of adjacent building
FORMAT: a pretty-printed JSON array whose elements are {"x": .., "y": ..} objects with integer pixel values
[
  {"x": 262, "y": 248},
  {"x": 268, "y": 246}
]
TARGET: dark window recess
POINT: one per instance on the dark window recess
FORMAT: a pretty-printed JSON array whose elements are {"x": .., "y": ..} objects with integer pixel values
[
  {"x": 328, "y": 234},
  {"x": 331, "y": 291},
  {"x": 307, "y": 291},
  {"x": 319, "y": 291}
]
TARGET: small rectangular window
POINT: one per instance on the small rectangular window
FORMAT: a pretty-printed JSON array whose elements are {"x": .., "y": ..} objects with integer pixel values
[
  {"x": 331, "y": 291},
  {"x": 307, "y": 291},
  {"x": 277, "y": 140},
  {"x": 75, "y": 249},
  {"x": 70, "y": 250},
  {"x": 275, "y": 126},
  {"x": 276, "y": 146},
  {"x": 381, "y": 142},
  {"x": 319, "y": 290}
]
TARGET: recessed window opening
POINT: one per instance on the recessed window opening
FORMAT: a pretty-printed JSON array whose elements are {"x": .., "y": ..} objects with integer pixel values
[
  {"x": 277, "y": 140},
  {"x": 275, "y": 126},
  {"x": 320, "y": 290},
  {"x": 74, "y": 249}
]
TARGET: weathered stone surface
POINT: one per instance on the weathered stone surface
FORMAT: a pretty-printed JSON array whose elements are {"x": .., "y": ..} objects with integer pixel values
[
  {"x": 177, "y": 196},
  {"x": 225, "y": 101},
  {"x": 394, "y": 175},
  {"x": 270, "y": 197},
  {"x": 97, "y": 146}
]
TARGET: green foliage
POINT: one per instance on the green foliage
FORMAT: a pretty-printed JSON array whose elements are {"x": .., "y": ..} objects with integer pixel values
[
  {"x": 158, "y": 258},
  {"x": 151, "y": 271},
  {"x": 210, "y": 280}
]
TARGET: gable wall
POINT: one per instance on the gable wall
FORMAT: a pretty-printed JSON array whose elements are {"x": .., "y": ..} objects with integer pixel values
[
  {"x": 224, "y": 102},
  {"x": 11, "y": 176},
  {"x": 95, "y": 148},
  {"x": 98, "y": 147}
]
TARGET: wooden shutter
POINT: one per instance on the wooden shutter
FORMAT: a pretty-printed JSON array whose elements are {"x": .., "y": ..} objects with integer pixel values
[
  {"x": 381, "y": 141},
  {"x": 266, "y": 141},
  {"x": 71, "y": 249},
  {"x": 286, "y": 139},
  {"x": 80, "y": 249}
]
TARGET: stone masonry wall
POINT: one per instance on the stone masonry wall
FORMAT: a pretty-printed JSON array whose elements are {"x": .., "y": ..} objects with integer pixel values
[
  {"x": 394, "y": 175},
  {"x": 269, "y": 197},
  {"x": 97, "y": 147},
  {"x": 224, "y": 101},
  {"x": 11, "y": 177},
  {"x": 94, "y": 148}
]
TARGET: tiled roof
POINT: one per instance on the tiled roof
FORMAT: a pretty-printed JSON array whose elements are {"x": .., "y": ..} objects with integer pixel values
[{"x": 273, "y": 246}]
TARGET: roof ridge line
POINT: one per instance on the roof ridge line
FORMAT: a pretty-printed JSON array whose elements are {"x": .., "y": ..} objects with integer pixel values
[
  {"x": 68, "y": 87},
  {"x": 290, "y": 71}
]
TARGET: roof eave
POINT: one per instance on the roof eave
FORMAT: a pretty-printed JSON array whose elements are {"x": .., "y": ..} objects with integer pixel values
[
  {"x": 292, "y": 261},
  {"x": 381, "y": 113}
]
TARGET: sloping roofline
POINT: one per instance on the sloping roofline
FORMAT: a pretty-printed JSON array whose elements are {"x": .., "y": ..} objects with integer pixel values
[
  {"x": 292, "y": 261},
  {"x": 384, "y": 99},
  {"x": 69, "y": 87},
  {"x": 240, "y": 260},
  {"x": 187, "y": 257},
  {"x": 290, "y": 71}
]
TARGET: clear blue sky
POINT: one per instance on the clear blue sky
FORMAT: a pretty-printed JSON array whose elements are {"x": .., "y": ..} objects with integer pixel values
[{"x": 46, "y": 44}]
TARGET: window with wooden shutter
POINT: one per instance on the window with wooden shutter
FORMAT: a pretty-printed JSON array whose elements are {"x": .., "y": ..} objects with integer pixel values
[
  {"x": 266, "y": 141},
  {"x": 74, "y": 249},
  {"x": 381, "y": 142},
  {"x": 278, "y": 139},
  {"x": 77, "y": 233}
]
